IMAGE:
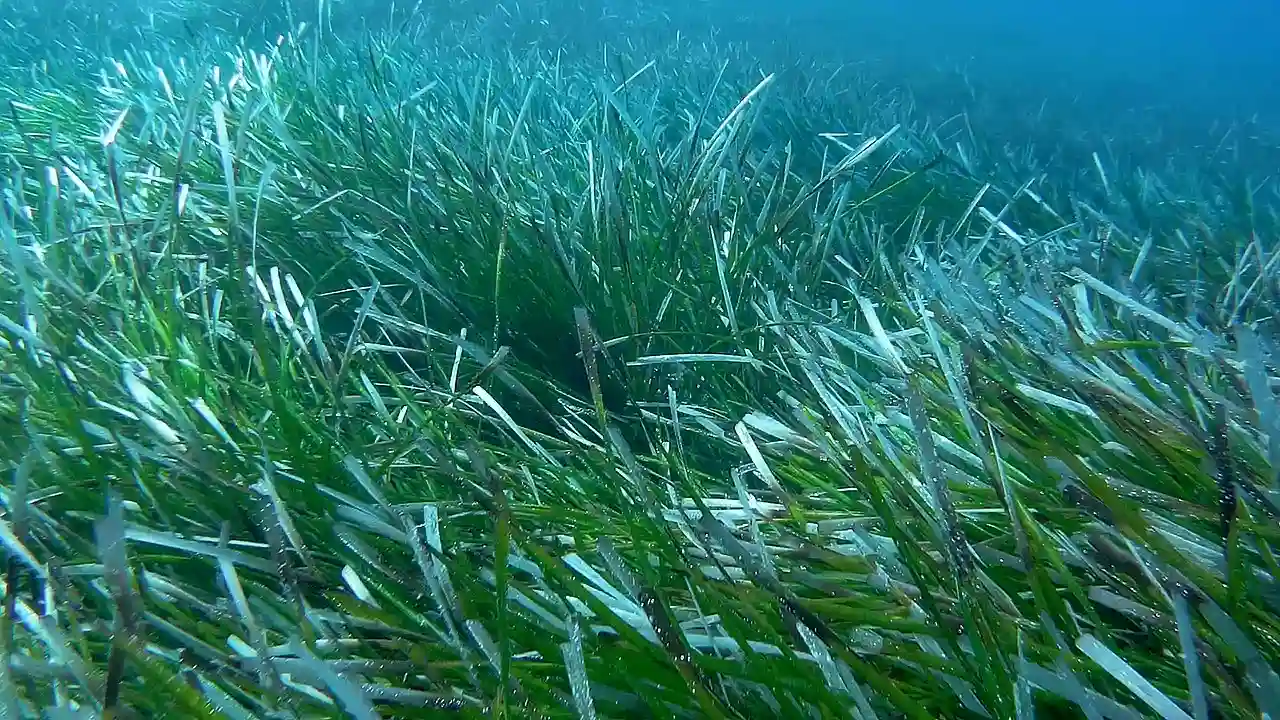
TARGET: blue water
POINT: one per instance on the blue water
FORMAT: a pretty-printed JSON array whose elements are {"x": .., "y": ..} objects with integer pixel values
[{"x": 1209, "y": 60}]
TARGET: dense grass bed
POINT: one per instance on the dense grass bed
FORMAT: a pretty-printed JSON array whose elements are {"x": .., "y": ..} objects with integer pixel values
[{"x": 393, "y": 378}]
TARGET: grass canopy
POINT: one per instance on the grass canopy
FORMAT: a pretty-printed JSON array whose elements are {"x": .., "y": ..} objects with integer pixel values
[{"x": 390, "y": 377}]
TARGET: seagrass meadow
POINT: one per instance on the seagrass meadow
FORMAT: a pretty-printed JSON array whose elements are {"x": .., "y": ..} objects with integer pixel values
[{"x": 360, "y": 365}]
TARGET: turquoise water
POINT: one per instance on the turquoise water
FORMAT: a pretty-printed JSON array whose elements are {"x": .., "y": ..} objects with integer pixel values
[{"x": 1195, "y": 55}]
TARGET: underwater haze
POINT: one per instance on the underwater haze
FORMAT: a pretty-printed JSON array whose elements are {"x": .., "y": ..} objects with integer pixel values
[
  {"x": 1182, "y": 61},
  {"x": 1180, "y": 53},
  {"x": 579, "y": 359}
]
